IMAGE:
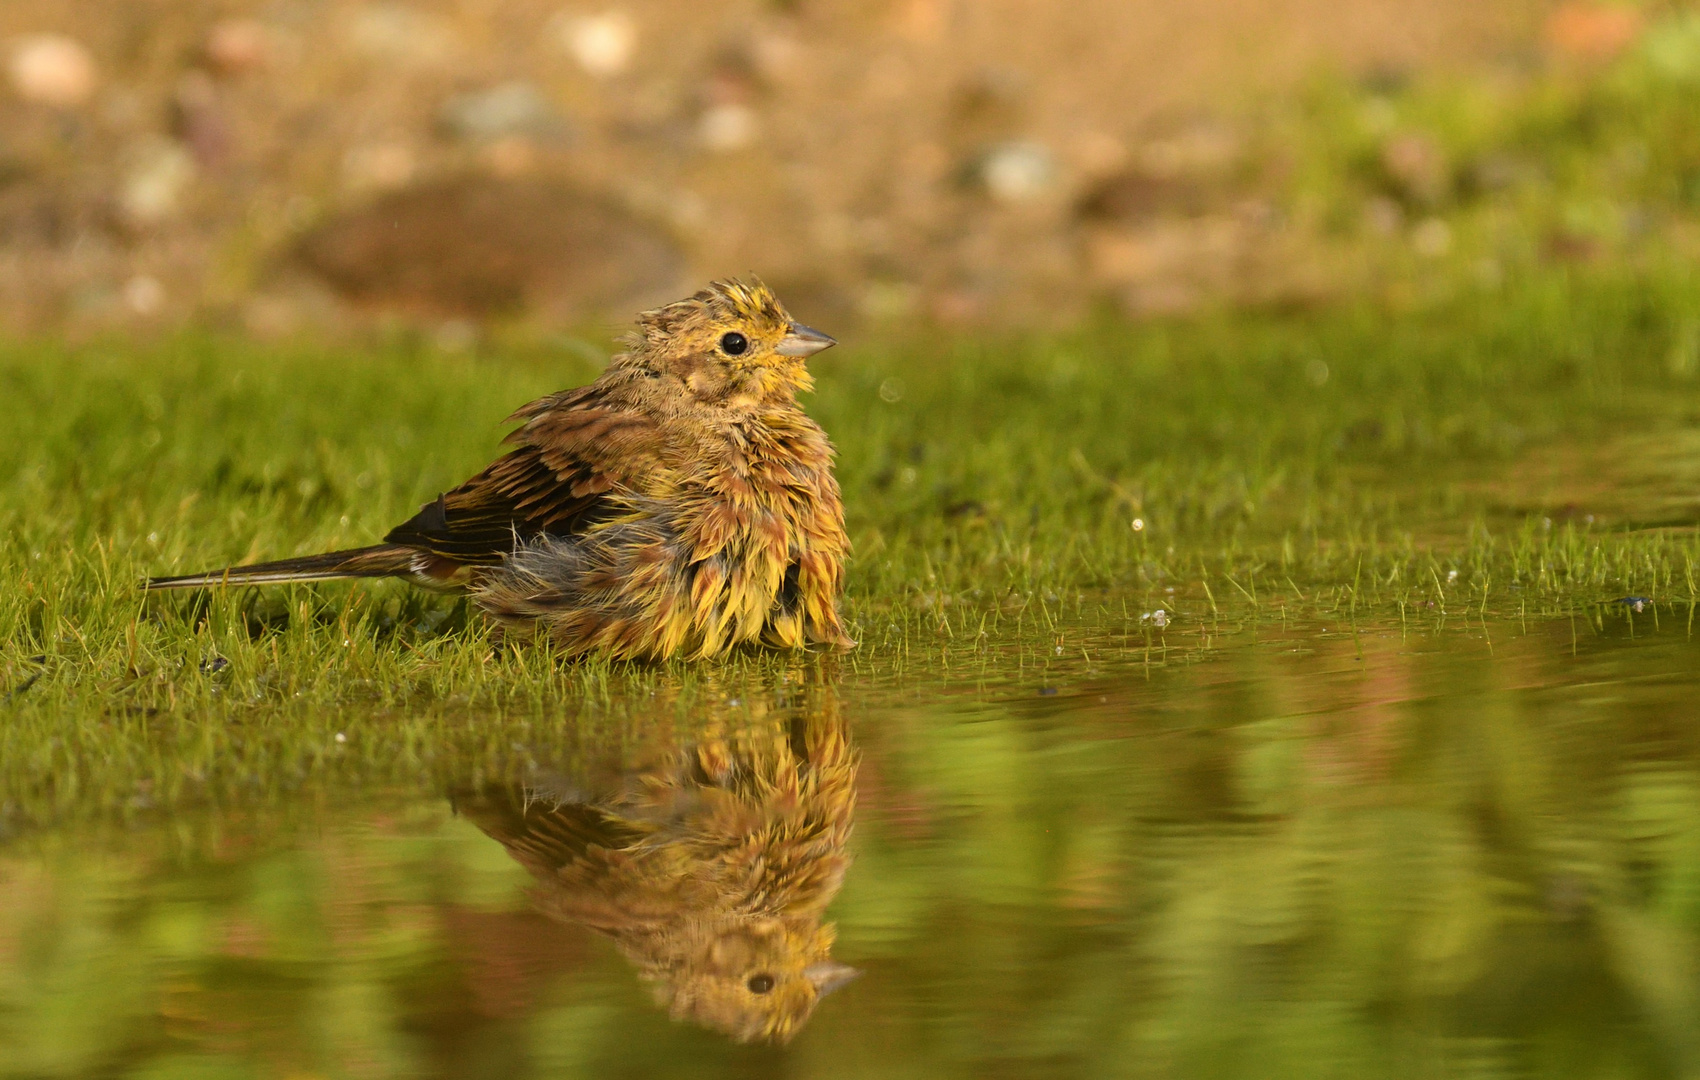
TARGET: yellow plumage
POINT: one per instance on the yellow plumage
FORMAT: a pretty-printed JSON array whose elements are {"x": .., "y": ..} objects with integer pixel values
[
  {"x": 711, "y": 868},
  {"x": 683, "y": 504}
]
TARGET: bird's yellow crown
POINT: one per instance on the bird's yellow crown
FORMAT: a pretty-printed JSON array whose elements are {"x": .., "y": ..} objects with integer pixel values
[{"x": 749, "y": 307}]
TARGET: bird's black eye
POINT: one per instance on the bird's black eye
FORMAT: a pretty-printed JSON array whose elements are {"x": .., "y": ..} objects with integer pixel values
[
  {"x": 735, "y": 344},
  {"x": 759, "y": 984}
]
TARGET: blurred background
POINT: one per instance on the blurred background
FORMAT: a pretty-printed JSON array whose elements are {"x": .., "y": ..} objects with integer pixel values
[{"x": 286, "y": 167}]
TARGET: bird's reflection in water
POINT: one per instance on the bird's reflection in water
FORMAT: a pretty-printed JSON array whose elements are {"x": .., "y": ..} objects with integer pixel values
[{"x": 710, "y": 866}]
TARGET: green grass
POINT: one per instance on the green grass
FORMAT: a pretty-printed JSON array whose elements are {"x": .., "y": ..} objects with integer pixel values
[
  {"x": 1512, "y": 165},
  {"x": 1345, "y": 463}
]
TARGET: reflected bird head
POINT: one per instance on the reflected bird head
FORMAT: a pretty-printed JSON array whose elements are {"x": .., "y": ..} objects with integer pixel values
[{"x": 757, "y": 982}]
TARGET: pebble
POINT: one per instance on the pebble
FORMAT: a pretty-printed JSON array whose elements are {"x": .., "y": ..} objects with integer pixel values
[
  {"x": 511, "y": 108},
  {"x": 143, "y": 295},
  {"x": 378, "y": 166},
  {"x": 52, "y": 69},
  {"x": 728, "y": 127},
  {"x": 1018, "y": 171},
  {"x": 602, "y": 44},
  {"x": 153, "y": 188},
  {"x": 400, "y": 34},
  {"x": 237, "y": 45},
  {"x": 1418, "y": 165}
]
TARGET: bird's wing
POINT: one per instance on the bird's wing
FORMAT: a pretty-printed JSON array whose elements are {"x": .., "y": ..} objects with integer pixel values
[
  {"x": 543, "y": 834},
  {"x": 573, "y": 450}
]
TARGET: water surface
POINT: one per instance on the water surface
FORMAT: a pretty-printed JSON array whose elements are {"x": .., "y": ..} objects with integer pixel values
[{"x": 1311, "y": 850}]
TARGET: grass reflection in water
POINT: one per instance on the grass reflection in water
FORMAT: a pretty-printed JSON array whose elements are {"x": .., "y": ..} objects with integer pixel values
[{"x": 1473, "y": 852}]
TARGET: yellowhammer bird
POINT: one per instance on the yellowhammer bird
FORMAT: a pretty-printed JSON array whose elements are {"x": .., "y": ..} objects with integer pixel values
[
  {"x": 711, "y": 870},
  {"x": 680, "y": 505}
]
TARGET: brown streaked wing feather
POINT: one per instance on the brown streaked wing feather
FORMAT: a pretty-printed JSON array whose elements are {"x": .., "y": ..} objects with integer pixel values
[
  {"x": 543, "y": 834},
  {"x": 571, "y": 454},
  {"x": 518, "y": 497}
]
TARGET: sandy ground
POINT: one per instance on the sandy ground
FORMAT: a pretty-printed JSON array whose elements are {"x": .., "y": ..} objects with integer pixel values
[{"x": 253, "y": 162}]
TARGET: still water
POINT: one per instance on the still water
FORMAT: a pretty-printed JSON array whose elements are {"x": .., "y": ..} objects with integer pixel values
[{"x": 1308, "y": 851}]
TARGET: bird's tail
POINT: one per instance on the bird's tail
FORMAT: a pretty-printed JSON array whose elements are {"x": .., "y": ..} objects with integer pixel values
[{"x": 381, "y": 560}]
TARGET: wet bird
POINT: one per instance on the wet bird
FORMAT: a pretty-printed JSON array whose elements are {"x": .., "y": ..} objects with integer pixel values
[
  {"x": 682, "y": 504},
  {"x": 711, "y": 869}
]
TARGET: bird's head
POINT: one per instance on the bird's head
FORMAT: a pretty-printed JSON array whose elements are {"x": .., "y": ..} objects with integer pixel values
[
  {"x": 731, "y": 344},
  {"x": 755, "y": 980}
]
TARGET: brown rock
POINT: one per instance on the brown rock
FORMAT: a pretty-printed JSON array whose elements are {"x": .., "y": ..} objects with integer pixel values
[
  {"x": 479, "y": 245},
  {"x": 1142, "y": 196}
]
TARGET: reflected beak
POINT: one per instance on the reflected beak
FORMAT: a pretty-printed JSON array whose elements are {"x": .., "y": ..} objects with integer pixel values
[
  {"x": 803, "y": 341},
  {"x": 829, "y": 975}
]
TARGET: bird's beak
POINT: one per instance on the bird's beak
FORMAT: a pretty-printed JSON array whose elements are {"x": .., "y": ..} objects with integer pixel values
[
  {"x": 829, "y": 975},
  {"x": 803, "y": 341}
]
